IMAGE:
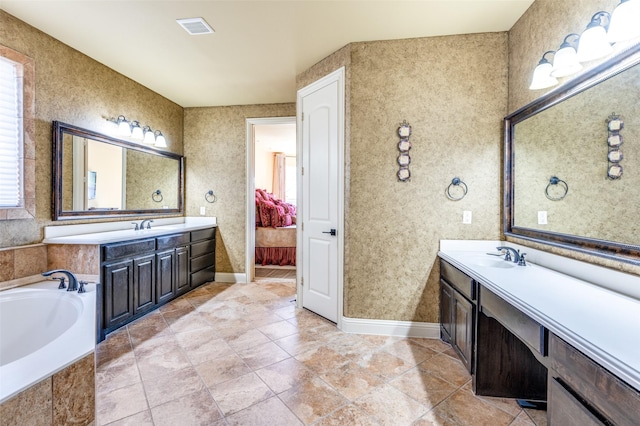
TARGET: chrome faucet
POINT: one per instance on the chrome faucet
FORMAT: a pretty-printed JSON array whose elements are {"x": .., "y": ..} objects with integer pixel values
[
  {"x": 148, "y": 222},
  {"x": 509, "y": 250},
  {"x": 73, "y": 281}
]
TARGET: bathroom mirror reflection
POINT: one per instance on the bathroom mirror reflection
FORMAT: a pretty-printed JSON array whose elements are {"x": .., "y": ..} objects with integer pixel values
[
  {"x": 99, "y": 176},
  {"x": 565, "y": 133}
]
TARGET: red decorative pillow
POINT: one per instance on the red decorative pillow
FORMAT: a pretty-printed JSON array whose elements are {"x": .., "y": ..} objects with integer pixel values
[
  {"x": 266, "y": 208},
  {"x": 277, "y": 214}
]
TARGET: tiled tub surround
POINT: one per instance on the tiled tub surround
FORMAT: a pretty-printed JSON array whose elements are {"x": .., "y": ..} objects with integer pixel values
[
  {"x": 52, "y": 382},
  {"x": 599, "y": 318}
]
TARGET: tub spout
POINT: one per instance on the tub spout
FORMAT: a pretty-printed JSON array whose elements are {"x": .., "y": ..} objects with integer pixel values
[{"x": 73, "y": 281}]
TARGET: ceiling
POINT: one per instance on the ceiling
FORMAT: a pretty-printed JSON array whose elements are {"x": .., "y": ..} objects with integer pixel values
[{"x": 258, "y": 46}]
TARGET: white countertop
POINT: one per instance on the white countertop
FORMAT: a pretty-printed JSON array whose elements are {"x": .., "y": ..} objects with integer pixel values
[
  {"x": 601, "y": 323},
  {"x": 96, "y": 233}
]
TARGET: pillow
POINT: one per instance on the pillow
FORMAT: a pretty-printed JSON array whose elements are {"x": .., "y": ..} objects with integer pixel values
[{"x": 266, "y": 208}]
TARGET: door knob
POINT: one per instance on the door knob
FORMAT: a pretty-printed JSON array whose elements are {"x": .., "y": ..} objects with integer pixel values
[{"x": 332, "y": 232}]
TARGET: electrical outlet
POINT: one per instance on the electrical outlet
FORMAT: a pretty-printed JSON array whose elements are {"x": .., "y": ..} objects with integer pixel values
[
  {"x": 202, "y": 211},
  {"x": 542, "y": 218},
  {"x": 466, "y": 217}
]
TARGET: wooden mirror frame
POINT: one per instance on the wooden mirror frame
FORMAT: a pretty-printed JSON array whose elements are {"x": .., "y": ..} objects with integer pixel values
[
  {"x": 59, "y": 130},
  {"x": 622, "y": 61}
]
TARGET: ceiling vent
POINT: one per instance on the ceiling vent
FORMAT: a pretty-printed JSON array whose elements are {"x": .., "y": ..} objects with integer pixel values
[{"x": 195, "y": 26}]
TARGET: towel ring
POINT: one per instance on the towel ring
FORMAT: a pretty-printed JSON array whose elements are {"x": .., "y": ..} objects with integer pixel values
[
  {"x": 556, "y": 181},
  {"x": 157, "y": 196},
  {"x": 456, "y": 182},
  {"x": 210, "y": 197}
]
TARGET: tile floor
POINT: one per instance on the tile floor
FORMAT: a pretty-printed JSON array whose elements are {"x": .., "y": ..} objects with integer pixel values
[{"x": 243, "y": 354}]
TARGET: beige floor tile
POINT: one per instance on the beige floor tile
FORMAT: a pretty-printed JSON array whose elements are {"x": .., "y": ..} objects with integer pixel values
[
  {"x": 152, "y": 319},
  {"x": 351, "y": 380},
  {"x": 539, "y": 417},
  {"x": 140, "y": 334},
  {"x": 247, "y": 339},
  {"x": 201, "y": 346},
  {"x": 447, "y": 368},
  {"x": 523, "y": 420},
  {"x": 239, "y": 393},
  {"x": 436, "y": 345},
  {"x": 410, "y": 351},
  {"x": 140, "y": 419},
  {"x": 278, "y": 330},
  {"x": 222, "y": 369},
  {"x": 271, "y": 411},
  {"x": 384, "y": 365},
  {"x": 348, "y": 415},
  {"x": 261, "y": 320},
  {"x": 160, "y": 365},
  {"x": 300, "y": 342},
  {"x": 120, "y": 373},
  {"x": 312, "y": 400},
  {"x": 351, "y": 346},
  {"x": 380, "y": 341},
  {"x": 464, "y": 409},
  {"x": 120, "y": 403},
  {"x": 176, "y": 305},
  {"x": 171, "y": 386},
  {"x": 155, "y": 346},
  {"x": 263, "y": 355},
  {"x": 286, "y": 312},
  {"x": 389, "y": 406},
  {"x": 190, "y": 321},
  {"x": 423, "y": 387},
  {"x": 322, "y": 359},
  {"x": 285, "y": 374},
  {"x": 194, "y": 409}
]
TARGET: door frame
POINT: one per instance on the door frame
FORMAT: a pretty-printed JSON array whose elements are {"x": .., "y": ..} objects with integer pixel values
[
  {"x": 250, "y": 225},
  {"x": 339, "y": 77}
]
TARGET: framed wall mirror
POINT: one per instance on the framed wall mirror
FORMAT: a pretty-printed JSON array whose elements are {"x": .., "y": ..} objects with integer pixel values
[
  {"x": 565, "y": 133},
  {"x": 95, "y": 175}
]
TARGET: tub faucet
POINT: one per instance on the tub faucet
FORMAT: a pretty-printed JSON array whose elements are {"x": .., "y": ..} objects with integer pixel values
[
  {"x": 73, "y": 281},
  {"x": 509, "y": 250},
  {"x": 148, "y": 222}
]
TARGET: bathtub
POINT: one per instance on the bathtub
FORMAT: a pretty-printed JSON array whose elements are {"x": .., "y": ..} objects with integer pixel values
[{"x": 42, "y": 331}]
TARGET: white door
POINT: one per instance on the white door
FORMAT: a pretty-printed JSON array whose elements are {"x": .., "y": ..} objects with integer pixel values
[{"x": 321, "y": 115}]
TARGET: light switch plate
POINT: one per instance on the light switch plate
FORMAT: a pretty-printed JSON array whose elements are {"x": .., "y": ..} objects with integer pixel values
[
  {"x": 466, "y": 217},
  {"x": 542, "y": 217}
]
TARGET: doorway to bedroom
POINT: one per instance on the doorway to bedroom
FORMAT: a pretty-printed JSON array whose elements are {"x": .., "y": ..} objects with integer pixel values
[{"x": 272, "y": 191}]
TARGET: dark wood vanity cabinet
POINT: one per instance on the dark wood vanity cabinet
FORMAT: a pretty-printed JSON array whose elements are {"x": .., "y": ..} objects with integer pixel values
[
  {"x": 141, "y": 275},
  {"x": 583, "y": 393},
  {"x": 457, "y": 312}
]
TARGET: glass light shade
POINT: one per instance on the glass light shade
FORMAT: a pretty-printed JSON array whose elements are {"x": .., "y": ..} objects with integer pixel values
[
  {"x": 625, "y": 21},
  {"x": 136, "y": 131},
  {"x": 124, "y": 128},
  {"x": 565, "y": 62},
  {"x": 149, "y": 137},
  {"x": 160, "y": 140},
  {"x": 593, "y": 44},
  {"x": 542, "y": 77}
]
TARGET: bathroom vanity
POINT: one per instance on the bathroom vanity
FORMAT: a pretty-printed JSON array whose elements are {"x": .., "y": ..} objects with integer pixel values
[
  {"x": 536, "y": 334},
  {"x": 140, "y": 270}
]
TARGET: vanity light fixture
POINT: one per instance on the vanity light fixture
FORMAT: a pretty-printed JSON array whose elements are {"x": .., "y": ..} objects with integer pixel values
[
  {"x": 565, "y": 61},
  {"x": 160, "y": 140},
  {"x": 133, "y": 129},
  {"x": 149, "y": 137},
  {"x": 136, "y": 131},
  {"x": 594, "y": 43},
  {"x": 542, "y": 74},
  {"x": 624, "y": 21}
]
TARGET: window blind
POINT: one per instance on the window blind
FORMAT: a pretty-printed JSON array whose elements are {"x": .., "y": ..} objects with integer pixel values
[{"x": 10, "y": 134}]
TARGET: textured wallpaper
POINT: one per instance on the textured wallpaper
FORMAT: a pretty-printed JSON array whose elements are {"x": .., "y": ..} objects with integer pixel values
[
  {"x": 73, "y": 88},
  {"x": 215, "y": 151},
  {"x": 542, "y": 28}
]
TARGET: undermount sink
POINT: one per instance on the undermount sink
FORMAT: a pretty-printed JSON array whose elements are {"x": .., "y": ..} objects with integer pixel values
[{"x": 493, "y": 263}]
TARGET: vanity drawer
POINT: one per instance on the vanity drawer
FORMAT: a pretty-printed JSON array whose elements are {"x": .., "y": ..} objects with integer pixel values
[
  {"x": 203, "y": 276},
  {"x": 198, "y": 249},
  {"x": 612, "y": 397},
  {"x": 203, "y": 234},
  {"x": 458, "y": 280},
  {"x": 172, "y": 241},
  {"x": 202, "y": 262},
  {"x": 567, "y": 410},
  {"x": 132, "y": 248},
  {"x": 526, "y": 329}
]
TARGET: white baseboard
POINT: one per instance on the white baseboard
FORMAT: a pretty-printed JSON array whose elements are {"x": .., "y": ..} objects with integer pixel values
[
  {"x": 391, "y": 328},
  {"x": 230, "y": 277}
]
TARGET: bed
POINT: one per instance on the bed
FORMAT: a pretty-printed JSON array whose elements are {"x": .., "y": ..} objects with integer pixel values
[{"x": 275, "y": 231}]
